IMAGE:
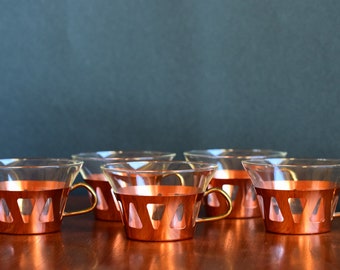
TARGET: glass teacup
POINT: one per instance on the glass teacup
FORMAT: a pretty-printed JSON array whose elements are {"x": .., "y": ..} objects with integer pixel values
[
  {"x": 296, "y": 196},
  {"x": 34, "y": 192}
]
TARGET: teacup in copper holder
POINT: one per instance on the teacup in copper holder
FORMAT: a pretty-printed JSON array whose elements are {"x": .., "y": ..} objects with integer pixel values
[
  {"x": 34, "y": 193},
  {"x": 35, "y": 207},
  {"x": 170, "y": 213},
  {"x": 296, "y": 196},
  {"x": 160, "y": 201}
]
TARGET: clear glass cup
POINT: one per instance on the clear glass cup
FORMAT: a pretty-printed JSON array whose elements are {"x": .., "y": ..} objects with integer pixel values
[
  {"x": 92, "y": 174},
  {"x": 160, "y": 201},
  {"x": 296, "y": 196},
  {"x": 232, "y": 178},
  {"x": 34, "y": 192}
]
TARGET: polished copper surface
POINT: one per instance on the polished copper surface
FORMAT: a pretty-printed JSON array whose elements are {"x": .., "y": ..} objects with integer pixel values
[
  {"x": 106, "y": 208},
  {"x": 237, "y": 244},
  {"x": 298, "y": 207},
  {"x": 33, "y": 207},
  {"x": 238, "y": 186},
  {"x": 162, "y": 213}
]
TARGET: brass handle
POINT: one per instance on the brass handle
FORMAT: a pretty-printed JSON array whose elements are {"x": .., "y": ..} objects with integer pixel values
[
  {"x": 89, "y": 209},
  {"x": 211, "y": 190},
  {"x": 180, "y": 177}
]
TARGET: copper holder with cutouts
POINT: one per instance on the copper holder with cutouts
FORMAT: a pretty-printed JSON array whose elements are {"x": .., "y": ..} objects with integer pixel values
[
  {"x": 35, "y": 207},
  {"x": 299, "y": 210},
  {"x": 296, "y": 195},
  {"x": 169, "y": 214}
]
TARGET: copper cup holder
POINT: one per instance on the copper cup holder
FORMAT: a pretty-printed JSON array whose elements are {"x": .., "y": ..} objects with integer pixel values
[
  {"x": 163, "y": 213},
  {"x": 296, "y": 196},
  {"x": 34, "y": 207},
  {"x": 302, "y": 210}
]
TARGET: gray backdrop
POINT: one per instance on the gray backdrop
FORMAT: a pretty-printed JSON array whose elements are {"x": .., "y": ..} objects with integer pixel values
[{"x": 169, "y": 75}]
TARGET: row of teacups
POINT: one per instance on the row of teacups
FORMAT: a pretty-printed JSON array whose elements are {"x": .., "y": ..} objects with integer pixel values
[{"x": 171, "y": 214}]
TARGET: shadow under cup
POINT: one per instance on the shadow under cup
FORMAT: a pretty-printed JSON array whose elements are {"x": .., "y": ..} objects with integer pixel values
[
  {"x": 92, "y": 174},
  {"x": 160, "y": 201},
  {"x": 296, "y": 196},
  {"x": 34, "y": 193},
  {"x": 232, "y": 178}
]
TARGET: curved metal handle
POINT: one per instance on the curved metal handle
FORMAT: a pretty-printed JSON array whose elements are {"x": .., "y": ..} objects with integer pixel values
[
  {"x": 86, "y": 210},
  {"x": 211, "y": 190},
  {"x": 180, "y": 177}
]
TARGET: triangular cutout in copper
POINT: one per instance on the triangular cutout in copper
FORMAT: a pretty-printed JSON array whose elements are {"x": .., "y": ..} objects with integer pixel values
[
  {"x": 47, "y": 211},
  {"x": 5, "y": 213},
  {"x": 156, "y": 212},
  {"x": 274, "y": 211},
  {"x": 101, "y": 204},
  {"x": 318, "y": 213},
  {"x": 134, "y": 219},
  {"x": 178, "y": 221},
  {"x": 25, "y": 207},
  {"x": 297, "y": 206}
]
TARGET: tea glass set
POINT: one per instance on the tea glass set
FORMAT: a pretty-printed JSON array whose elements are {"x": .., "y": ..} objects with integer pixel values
[{"x": 158, "y": 198}]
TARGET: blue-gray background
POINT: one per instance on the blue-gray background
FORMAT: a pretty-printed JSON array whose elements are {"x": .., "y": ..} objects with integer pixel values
[{"x": 169, "y": 75}]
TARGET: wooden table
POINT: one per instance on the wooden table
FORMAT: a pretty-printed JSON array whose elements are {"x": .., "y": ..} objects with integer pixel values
[{"x": 85, "y": 243}]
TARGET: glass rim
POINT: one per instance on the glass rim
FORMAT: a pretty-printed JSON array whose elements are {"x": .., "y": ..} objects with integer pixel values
[
  {"x": 34, "y": 163},
  {"x": 235, "y": 153},
  {"x": 141, "y": 155},
  {"x": 203, "y": 166},
  {"x": 294, "y": 162}
]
